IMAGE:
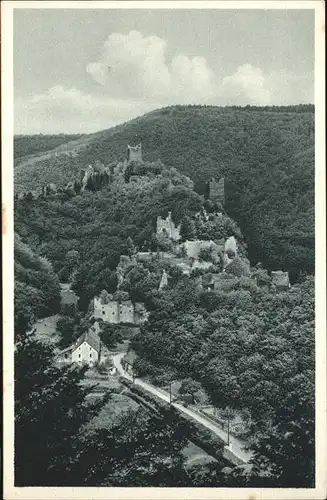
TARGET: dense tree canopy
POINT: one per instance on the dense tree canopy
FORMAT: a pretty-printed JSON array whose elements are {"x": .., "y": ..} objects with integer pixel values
[
  {"x": 85, "y": 235},
  {"x": 28, "y": 145},
  {"x": 56, "y": 446},
  {"x": 250, "y": 348},
  {"x": 265, "y": 154},
  {"x": 37, "y": 290}
]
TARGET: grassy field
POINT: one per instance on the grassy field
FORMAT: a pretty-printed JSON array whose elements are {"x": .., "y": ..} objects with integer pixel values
[
  {"x": 46, "y": 329},
  {"x": 118, "y": 405},
  {"x": 195, "y": 455}
]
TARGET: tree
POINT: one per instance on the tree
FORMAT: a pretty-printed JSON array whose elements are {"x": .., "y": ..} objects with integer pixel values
[
  {"x": 50, "y": 412},
  {"x": 238, "y": 267},
  {"x": 138, "y": 450},
  {"x": 110, "y": 335},
  {"x": 54, "y": 445},
  {"x": 70, "y": 328},
  {"x": 70, "y": 265},
  {"x": 205, "y": 254},
  {"x": 287, "y": 449},
  {"x": 188, "y": 230},
  {"x": 189, "y": 387}
]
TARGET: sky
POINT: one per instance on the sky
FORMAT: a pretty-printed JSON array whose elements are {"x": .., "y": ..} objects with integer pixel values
[{"x": 79, "y": 71}]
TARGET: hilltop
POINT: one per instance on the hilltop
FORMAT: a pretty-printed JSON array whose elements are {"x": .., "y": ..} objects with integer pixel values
[{"x": 265, "y": 154}]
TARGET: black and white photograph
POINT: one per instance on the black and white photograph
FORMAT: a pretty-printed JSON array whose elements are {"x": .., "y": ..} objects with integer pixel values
[{"x": 163, "y": 318}]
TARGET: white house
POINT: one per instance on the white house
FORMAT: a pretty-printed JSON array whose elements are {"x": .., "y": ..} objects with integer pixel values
[{"x": 86, "y": 350}]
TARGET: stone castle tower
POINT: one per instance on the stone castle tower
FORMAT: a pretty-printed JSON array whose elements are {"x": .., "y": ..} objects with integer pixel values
[
  {"x": 134, "y": 153},
  {"x": 216, "y": 190}
]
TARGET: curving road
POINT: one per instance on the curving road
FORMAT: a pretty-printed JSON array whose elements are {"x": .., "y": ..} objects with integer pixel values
[{"x": 236, "y": 446}]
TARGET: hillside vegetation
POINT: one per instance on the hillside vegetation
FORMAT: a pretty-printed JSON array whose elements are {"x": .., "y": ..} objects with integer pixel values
[
  {"x": 96, "y": 225},
  {"x": 37, "y": 290},
  {"x": 28, "y": 145},
  {"x": 265, "y": 154},
  {"x": 252, "y": 349},
  {"x": 250, "y": 346}
]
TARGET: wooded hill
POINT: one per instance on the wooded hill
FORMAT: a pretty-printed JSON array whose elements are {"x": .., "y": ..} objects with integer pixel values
[
  {"x": 265, "y": 154},
  {"x": 250, "y": 346}
]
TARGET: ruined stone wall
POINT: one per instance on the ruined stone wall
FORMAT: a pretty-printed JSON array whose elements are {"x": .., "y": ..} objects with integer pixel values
[
  {"x": 168, "y": 228},
  {"x": 107, "y": 312},
  {"x": 134, "y": 153},
  {"x": 126, "y": 312},
  {"x": 115, "y": 312},
  {"x": 140, "y": 313},
  {"x": 194, "y": 247},
  {"x": 217, "y": 191},
  {"x": 231, "y": 245},
  {"x": 164, "y": 280}
]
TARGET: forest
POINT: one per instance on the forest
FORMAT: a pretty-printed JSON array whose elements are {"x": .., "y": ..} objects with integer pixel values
[
  {"x": 250, "y": 347},
  {"x": 97, "y": 224},
  {"x": 28, "y": 145},
  {"x": 265, "y": 154},
  {"x": 37, "y": 289}
]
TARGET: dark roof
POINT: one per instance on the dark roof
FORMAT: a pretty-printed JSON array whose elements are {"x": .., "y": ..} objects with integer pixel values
[
  {"x": 68, "y": 297},
  {"x": 280, "y": 278},
  {"x": 91, "y": 338}
]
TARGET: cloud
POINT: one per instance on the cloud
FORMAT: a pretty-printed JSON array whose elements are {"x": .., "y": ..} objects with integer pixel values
[
  {"x": 72, "y": 111},
  {"x": 134, "y": 65},
  {"x": 133, "y": 76},
  {"x": 247, "y": 85}
]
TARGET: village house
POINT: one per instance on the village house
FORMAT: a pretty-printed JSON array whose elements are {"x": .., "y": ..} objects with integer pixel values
[
  {"x": 88, "y": 349},
  {"x": 145, "y": 256},
  {"x": 280, "y": 280}
]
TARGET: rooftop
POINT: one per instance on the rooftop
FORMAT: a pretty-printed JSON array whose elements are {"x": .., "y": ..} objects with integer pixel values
[{"x": 68, "y": 297}]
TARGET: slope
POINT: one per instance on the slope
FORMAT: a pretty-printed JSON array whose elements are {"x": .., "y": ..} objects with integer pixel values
[
  {"x": 37, "y": 290},
  {"x": 265, "y": 154}
]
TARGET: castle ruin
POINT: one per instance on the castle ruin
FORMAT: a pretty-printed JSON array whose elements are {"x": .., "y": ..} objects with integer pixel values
[
  {"x": 167, "y": 227},
  {"x": 134, "y": 153},
  {"x": 119, "y": 311},
  {"x": 216, "y": 190}
]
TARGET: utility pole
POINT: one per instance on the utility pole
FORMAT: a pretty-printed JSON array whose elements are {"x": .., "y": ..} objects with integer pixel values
[{"x": 228, "y": 428}]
